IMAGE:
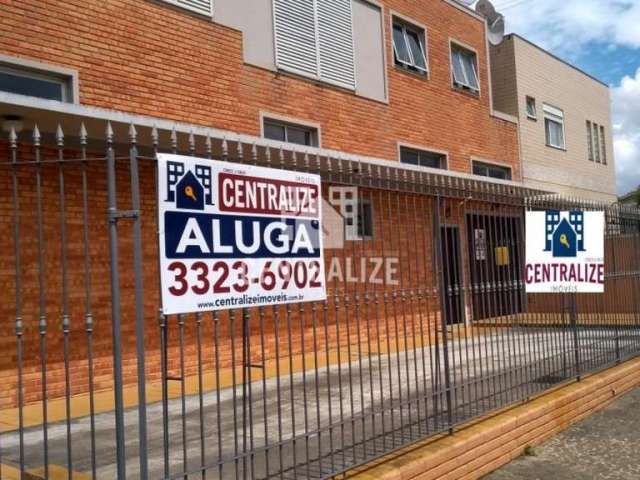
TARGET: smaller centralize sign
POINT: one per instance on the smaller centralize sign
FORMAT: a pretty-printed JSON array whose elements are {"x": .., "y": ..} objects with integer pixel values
[
  {"x": 564, "y": 252},
  {"x": 235, "y": 236}
]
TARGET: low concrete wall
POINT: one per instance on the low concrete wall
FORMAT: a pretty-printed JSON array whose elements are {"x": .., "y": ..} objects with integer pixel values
[{"x": 485, "y": 445}]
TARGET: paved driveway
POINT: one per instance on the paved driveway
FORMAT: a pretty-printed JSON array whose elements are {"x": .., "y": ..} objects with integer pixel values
[{"x": 605, "y": 446}]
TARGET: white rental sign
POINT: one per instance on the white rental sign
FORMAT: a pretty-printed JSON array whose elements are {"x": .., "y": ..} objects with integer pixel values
[
  {"x": 234, "y": 236},
  {"x": 564, "y": 252}
]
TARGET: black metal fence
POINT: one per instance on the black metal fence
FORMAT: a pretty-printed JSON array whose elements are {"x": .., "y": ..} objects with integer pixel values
[{"x": 426, "y": 326}]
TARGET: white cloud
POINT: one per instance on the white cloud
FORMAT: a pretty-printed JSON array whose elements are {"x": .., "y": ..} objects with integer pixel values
[
  {"x": 626, "y": 121},
  {"x": 567, "y": 28}
]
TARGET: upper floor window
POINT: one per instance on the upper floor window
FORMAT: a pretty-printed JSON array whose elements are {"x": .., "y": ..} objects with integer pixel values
[
  {"x": 531, "y": 108},
  {"x": 554, "y": 126},
  {"x": 491, "y": 170},
  {"x": 203, "y": 7},
  {"x": 596, "y": 143},
  {"x": 423, "y": 158},
  {"x": 603, "y": 145},
  {"x": 409, "y": 47},
  {"x": 36, "y": 83},
  {"x": 290, "y": 132},
  {"x": 314, "y": 38},
  {"x": 590, "y": 141},
  {"x": 464, "y": 68}
]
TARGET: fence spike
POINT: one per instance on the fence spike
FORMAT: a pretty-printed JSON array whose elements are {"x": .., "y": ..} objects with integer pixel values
[
  {"x": 225, "y": 149},
  {"x": 254, "y": 153},
  {"x": 281, "y": 156},
  {"x": 192, "y": 141},
  {"x": 83, "y": 134},
  {"x": 13, "y": 137},
  {"x": 133, "y": 134},
  {"x": 174, "y": 138},
  {"x": 267, "y": 155},
  {"x": 155, "y": 138},
  {"x": 239, "y": 150},
  {"x": 109, "y": 133},
  {"x": 59, "y": 136},
  {"x": 36, "y": 135},
  {"x": 307, "y": 164},
  {"x": 207, "y": 144}
]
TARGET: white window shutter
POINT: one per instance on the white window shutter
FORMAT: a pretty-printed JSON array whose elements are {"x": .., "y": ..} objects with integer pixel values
[
  {"x": 203, "y": 7},
  {"x": 335, "y": 42},
  {"x": 295, "y": 31}
]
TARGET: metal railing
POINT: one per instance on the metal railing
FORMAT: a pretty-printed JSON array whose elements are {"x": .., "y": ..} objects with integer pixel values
[{"x": 426, "y": 326}]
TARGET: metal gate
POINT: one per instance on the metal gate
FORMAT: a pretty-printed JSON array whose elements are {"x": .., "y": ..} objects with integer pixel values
[{"x": 426, "y": 324}]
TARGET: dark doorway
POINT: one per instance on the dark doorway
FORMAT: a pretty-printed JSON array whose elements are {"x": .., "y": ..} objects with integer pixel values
[
  {"x": 452, "y": 275},
  {"x": 495, "y": 251}
]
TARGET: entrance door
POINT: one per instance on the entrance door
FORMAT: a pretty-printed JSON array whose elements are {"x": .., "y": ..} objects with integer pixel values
[
  {"x": 496, "y": 280},
  {"x": 452, "y": 273}
]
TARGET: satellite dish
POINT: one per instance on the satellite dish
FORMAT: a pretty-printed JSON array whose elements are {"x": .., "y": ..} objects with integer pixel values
[
  {"x": 495, "y": 21},
  {"x": 496, "y": 30},
  {"x": 485, "y": 8}
]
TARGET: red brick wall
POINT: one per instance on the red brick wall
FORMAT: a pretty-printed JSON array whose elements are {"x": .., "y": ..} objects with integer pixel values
[
  {"x": 402, "y": 231},
  {"x": 146, "y": 57}
]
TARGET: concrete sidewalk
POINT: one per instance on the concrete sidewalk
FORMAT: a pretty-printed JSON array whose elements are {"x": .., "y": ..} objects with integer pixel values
[{"x": 604, "y": 446}]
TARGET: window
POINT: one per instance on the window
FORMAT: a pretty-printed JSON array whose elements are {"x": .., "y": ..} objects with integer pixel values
[
  {"x": 490, "y": 170},
  {"x": 290, "y": 133},
  {"x": 35, "y": 83},
  {"x": 423, "y": 158},
  {"x": 596, "y": 143},
  {"x": 409, "y": 47},
  {"x": 531, "y": 108},
  {"x": 464, "y": 67},
  {"x": 203, "y": 7},
  {"x": 554, "y": 126},
  {"x": 314, "y": 38},
  {"x": 590, "y": 141},
  {"x": 603, "y": 146},
  {"x": 365, "y": 219}
]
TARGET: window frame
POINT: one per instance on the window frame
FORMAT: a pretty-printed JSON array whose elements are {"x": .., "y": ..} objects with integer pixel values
[
  {"x": 421, "y": 32},
  {"x": 603, "y": 145},
  {"x": 590, "y": 153},
  {"x": 423, "y": 150},
  {"x": 455, "y": 45},
  {"x": 596, "y": 142},
  {"x": 361, "y": 234},
  {"x": 287, "y": 122},
  {"x": 489, "y": 165},
  {"x": 528, "y": 100},
  {"x": 21, "y": 67},
  {"x": 549, "y": 115}
]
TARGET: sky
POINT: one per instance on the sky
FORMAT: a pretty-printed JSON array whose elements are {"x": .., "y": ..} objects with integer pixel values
[{"x": 601, "y": 37}]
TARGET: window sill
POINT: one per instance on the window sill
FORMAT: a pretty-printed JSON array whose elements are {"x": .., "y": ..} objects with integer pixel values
[
  {"x": 532, "y": 118},
  {"x": 412, "y": 72},
  {"x": 466, "y": 91},
  {"x": 562, "y": 149}
]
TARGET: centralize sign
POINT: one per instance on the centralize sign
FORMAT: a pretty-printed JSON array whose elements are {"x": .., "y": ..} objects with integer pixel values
[
  {"x": 565, "y": 252},
  {"x": 234, "y": 235}
]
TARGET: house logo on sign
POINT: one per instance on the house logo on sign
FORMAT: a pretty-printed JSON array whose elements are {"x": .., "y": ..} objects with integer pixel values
[
  {"x": 190, "y": 189},
  {"x": 564, "y": 234},
  {"x": 560, "y": 256}
]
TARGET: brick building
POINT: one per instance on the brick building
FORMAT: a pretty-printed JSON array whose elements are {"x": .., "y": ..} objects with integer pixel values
[{"x": 409, "y": 83}]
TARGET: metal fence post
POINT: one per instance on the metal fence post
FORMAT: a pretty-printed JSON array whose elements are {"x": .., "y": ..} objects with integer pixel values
[
  {"x": 443, "y": 316},
  {"x": 115, "y": 304},
  {"x": 573, "y": 315},
  {"x": 139, "y": 306}
]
